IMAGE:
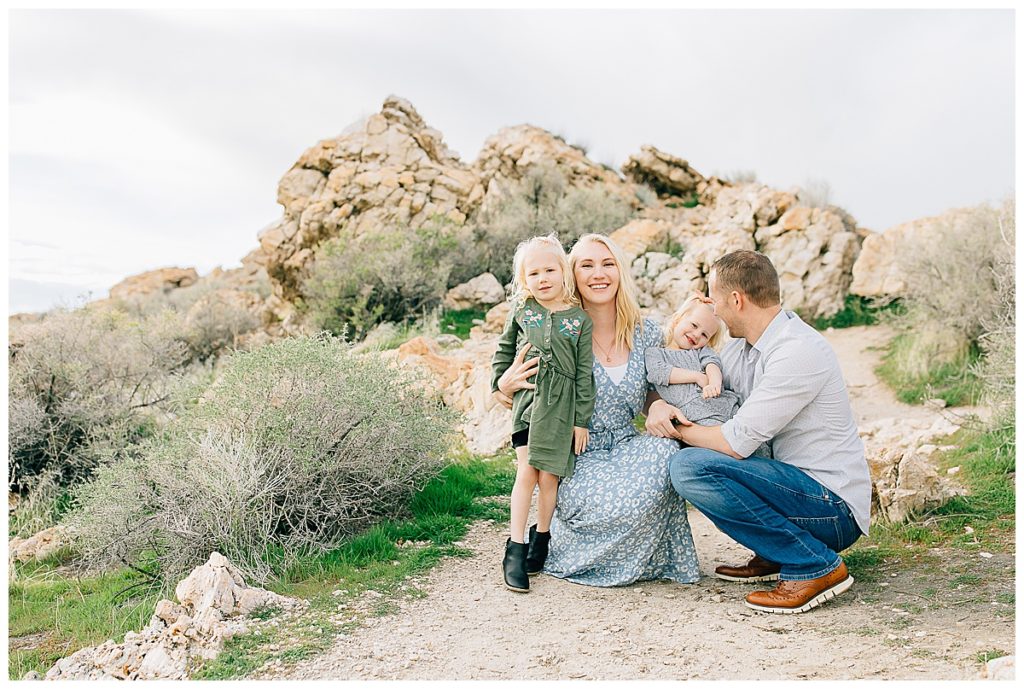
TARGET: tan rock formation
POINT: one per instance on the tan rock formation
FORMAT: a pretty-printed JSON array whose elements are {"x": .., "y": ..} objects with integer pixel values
[
  {"x": 508, "y": 155},
  {"x": 878, "y": 271},
  {"x": 666, "y": 174},
  {"x": 214, "y": 602},
  {"x": 161, "y": 280},
  {"x": 389, "y": 169}
]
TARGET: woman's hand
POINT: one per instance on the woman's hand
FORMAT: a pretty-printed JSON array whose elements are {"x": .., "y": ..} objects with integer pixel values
[
  {"x": 515, "y": 378},
  {"x": 711, "y": 390},
  {"x": 660, "y": 417}
]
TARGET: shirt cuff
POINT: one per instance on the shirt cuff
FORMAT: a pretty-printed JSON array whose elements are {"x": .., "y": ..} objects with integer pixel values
[{"x": 742, "y": 445}]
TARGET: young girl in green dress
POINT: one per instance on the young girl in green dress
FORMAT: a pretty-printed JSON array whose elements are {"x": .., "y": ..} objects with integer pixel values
[{"x": 549, "y": 422}]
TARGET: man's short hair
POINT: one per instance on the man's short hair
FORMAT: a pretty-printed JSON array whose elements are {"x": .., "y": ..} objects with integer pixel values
[{"x": 749, "y": 272}]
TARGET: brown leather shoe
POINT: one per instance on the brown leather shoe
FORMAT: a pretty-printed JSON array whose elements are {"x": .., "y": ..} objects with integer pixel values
[
  {"x": 800, "y": 596},
  {"x": 758, "y": 569}
]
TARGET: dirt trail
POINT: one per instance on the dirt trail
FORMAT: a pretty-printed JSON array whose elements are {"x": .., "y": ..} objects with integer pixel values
[{"x": 929, "y": 621}]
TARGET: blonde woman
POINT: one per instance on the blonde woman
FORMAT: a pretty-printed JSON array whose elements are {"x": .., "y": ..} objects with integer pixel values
[{"x": 617, "y": 518}]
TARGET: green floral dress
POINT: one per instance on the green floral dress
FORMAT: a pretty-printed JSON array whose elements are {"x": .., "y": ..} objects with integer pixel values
[{"x": 564, "y": 396}]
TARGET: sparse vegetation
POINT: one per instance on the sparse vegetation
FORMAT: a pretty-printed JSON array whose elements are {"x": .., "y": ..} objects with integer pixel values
[
  {"x": 296, "y": 446},
  {"x": 541, "y": 203},
  {"x": 85, "y": 386},
  {"x": 394, "y": 275},
  {"x": 858, "y": 310}
]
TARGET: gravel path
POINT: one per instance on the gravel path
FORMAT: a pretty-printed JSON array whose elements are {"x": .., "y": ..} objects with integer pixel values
[{"x": 470, "y": 627}]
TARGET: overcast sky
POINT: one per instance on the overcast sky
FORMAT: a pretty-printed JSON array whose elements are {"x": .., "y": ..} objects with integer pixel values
[{"x": 143, "y": 139}]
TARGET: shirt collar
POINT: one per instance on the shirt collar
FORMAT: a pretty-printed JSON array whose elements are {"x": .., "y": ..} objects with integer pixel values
[{"x": 772, "y": 331}]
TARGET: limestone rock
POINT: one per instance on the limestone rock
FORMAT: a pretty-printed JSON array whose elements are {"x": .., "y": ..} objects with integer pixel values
[
  {"x": 904, "y": 480},
  {"x": 482, "y": 291},
  {"x": 905, "y": 483},
  {"x": 463, "y": 378},
  {"x": 878, "y": 271},
  {"x": 389, "y": 169},
  {"x": 161, "y": 280},
  {"x": 640, "y": 236},
  {"x": 214, "y": 600},
  {"x": 1003, "y": 667},
  {"x": 666, "y": 174},
  {"x": 508, "y": 155},
  {"x": 39, "y": 546}
]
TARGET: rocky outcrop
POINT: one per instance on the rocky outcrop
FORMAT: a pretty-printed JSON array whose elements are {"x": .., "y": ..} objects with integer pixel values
[
  {"x": 507, "y": 156},
  {"x": 389, "y": 169},
  {"x": 879, "y": 270},
  {"x": 162, "y": 280},
  {"x": 214, "y": 604},
  {"x": 482, "y": 292},
  {"x": 666, "y": 174},
  {"x": 813, "y": 249},
  {"x": 904, "y": 480}
]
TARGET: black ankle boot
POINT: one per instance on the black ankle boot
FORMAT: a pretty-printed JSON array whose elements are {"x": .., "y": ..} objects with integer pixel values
[
  {"x": 514, "y": 566},
  {"x": 538, "y": 552}
]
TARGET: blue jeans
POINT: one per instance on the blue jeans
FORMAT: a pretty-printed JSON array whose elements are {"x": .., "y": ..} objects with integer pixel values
[{"x": 771, "y": 507}]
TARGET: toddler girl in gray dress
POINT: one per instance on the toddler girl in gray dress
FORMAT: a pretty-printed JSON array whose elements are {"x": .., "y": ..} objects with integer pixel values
[{"x": 687, "y": 371}]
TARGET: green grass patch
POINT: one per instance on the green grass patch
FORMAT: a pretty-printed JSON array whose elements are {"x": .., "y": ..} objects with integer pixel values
[
  {"x": 986, "y": 461},
  {"x": 951, "y": 381},
  {"x": 857, "y": 310},
  {"x": 459, "y": 321},
  {"x": 69, "y": 613},
  {"x": 383, "y": 559}
]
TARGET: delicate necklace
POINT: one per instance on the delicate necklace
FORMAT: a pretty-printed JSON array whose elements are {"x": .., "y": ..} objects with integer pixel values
[{"x": 607, "y": 356}]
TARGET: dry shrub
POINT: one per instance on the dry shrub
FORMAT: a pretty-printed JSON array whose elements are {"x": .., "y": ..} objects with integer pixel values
[
  {"x": 84, "y": 386},
  {"x": 540, "y": 203},
  {"x": 297, "y": 445},
  {"x": 999, "y": 324},
  {"x": 392, "y": 275},
  {"x": 958, "y": 309}
]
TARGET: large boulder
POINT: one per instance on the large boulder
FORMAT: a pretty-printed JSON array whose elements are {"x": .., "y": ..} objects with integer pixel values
[
  {"x": 483, "y": 291},
  {"x": 214, "y": 604},
  {"x": 879, "y": 269},
  {"x": 389, "y": 169}
]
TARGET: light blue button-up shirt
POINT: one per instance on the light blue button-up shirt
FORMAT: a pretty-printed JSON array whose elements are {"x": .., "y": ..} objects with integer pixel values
[{"x": 793, "y": 395}]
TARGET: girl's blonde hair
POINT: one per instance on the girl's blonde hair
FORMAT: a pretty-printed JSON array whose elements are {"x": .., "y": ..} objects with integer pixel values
[
  {"x": 692, "y": 302},
  {"x": 520, "y": 292},
  {"x": 627, "y": 303}
]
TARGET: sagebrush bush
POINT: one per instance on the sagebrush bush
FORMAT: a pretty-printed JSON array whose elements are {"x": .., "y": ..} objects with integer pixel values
[
  {"x": 212, "y": 313},
  {"x": 999, "y": 326},
  {"x": 540, "y": 203},
  {"x": 392, "y": 275},
  {"x": 85, "y": 386},
  {"x": 297, "y": 445},
  {"x": 958, "y": 303}
]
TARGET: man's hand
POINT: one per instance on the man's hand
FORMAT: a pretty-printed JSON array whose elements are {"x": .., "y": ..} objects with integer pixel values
[
  {"x": 660, "y": 417},
  {"x": 502, "y": 399},
  {"x": 580, "y": 437},
  {"x": 711, "y": 390}
]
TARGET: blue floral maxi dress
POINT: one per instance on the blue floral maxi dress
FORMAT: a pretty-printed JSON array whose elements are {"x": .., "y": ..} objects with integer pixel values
[{"x": 618, "y": 520}]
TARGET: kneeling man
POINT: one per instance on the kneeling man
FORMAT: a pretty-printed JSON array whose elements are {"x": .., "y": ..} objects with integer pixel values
[{"x": 797, "y": 510}]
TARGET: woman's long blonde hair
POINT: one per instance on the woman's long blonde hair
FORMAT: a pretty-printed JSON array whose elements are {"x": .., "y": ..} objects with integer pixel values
[
  {"x": 520, "y": 292},
  {"x": 627, "y": 304},
  {"x": 692, "y": 302}
]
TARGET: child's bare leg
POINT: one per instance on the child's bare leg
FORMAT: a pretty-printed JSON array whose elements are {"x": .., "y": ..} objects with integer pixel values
[
  {"x": 546, "y": 500},
  {"x": 522, "y": 495}
]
